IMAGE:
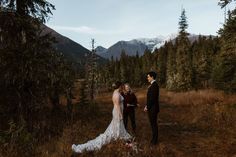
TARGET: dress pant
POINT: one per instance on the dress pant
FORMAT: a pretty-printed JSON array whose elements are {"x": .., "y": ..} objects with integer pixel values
[
  {"x": 129, "y": 113},
  {"x": 152, "y": 115}
]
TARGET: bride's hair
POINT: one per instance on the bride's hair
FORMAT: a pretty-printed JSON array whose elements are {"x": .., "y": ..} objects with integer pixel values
[{"x": 117, "y": 84}]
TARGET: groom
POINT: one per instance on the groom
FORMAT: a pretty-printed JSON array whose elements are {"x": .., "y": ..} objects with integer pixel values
[{"x": 152, "y": 106}]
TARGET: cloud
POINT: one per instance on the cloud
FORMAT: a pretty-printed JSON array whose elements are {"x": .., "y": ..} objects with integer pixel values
[{"x": 86, "y": 30}]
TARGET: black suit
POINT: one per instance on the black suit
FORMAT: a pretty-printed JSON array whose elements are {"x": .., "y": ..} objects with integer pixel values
[{"x": 153, "y": 109}]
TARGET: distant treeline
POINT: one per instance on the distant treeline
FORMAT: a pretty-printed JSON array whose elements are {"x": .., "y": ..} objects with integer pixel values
[{"x": 208, "y": 62}]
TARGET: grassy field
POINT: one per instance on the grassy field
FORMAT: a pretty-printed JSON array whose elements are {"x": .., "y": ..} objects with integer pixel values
[{"x": 191, "y": 124}]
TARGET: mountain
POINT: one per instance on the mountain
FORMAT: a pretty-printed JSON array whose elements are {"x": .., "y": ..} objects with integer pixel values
[
  {"x": 170, "y": 37},
  {"x": 151, "y": 42},
  {"x": 73, "y": 51},
  {"x": 100, "y": 50},
  {"x": 132, "y": 47}
]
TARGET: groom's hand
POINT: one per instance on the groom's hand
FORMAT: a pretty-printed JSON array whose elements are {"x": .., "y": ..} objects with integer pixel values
[{"x": 145, "y": 109}]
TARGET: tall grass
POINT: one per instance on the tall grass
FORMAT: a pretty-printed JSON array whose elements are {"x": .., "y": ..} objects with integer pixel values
[
  {"x": 191, "y": 124},
  {"x": 209, "y": 107},
  {"x": 200, "y": 97}
]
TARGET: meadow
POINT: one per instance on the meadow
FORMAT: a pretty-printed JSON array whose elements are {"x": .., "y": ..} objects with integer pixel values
[{"x": 191, "y": 124}]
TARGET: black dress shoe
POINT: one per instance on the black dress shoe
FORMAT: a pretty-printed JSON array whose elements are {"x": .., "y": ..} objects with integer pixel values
[{"x": 154, "y": 143}]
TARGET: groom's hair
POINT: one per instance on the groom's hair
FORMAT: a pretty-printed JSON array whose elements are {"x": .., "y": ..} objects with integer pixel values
[
  {"x": 117, "y": 84},
  {"x": 152, "y": 74}
]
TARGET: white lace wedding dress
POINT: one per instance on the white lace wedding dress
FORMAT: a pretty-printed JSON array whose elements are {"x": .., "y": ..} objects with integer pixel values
[{"x": 114, "y": 131}]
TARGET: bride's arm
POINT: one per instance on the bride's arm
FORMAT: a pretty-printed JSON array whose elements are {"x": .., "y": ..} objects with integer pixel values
[{"x": 116, "y": 101}]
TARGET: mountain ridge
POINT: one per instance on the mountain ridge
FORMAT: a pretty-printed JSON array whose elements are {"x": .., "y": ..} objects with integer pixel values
[
  {"x": 139, "y": 45},
  {"x": 73, "y": 51}
]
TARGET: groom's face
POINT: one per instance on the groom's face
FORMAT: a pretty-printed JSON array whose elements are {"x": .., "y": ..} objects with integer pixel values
[{"x": 149, "y": 78}]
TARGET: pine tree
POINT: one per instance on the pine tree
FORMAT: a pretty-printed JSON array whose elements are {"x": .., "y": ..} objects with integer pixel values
[
  {"x": 224, "y": 75},
  {"x": 124, "y": 67},
  {"x": 171, "y": 67},
  {"x": 224, "y": 3},
  {"x": 31, "y": 71},
  {"x": 183, "y": 56},
  {"x": 116, "y": 75},
  {"x": 91, "y": 72},
  {"x": 39, "y": 9},
  {"x": 147, "y": 61},
  {"x": 83, "y": 94},
  {"x": 203, "y": 51},
  {"x": 137, "y": 77},
  {"x": 162, "y": 64}
]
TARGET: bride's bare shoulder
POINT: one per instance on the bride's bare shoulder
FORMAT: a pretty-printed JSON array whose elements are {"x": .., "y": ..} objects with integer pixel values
[{"x": 115, "y": 95}]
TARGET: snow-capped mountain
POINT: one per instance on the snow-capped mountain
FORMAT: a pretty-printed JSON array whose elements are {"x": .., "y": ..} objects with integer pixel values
[
  {"x": 138, "y": 45},
  {"x": 131, "y": 47},
  {"x": 151, "y": 42},
  {"x": 165, "y": 39}
]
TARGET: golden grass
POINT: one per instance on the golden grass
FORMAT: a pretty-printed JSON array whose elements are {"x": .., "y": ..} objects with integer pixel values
[
  {"x": 200, "y": 97},
  {"x": 191, "y": 124}
]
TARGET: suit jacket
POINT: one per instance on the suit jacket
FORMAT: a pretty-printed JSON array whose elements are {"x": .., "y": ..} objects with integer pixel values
[{"x": 153, "y": 97}]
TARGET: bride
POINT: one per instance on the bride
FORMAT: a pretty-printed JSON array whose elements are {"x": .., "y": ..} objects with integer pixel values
[{"x": 114, "y": 131}]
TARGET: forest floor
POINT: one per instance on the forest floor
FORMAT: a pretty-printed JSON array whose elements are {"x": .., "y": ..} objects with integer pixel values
[{"x": 191, "y": 124}]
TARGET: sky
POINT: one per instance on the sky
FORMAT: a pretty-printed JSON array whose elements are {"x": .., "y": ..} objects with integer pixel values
[{"x": 109, "y": 21}]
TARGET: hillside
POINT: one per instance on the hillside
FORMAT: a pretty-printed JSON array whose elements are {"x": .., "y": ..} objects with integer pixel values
[{"x": 73, "y": 51}]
